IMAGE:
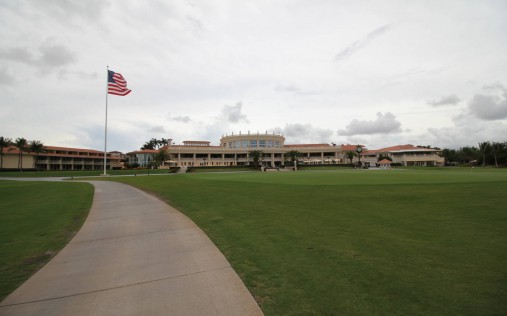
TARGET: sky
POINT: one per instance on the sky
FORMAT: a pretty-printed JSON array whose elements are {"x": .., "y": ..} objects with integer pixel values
[{"x": 376, "y": 73}]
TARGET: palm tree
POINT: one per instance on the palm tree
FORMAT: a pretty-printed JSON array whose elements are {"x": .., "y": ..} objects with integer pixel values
[
  {"x": 22, "y": 145},
  {"x": 151, "y": 144},
  {"x": 36, "y": 147},
  {"x": 350, "y": 155},
  {"x": 468, "y": 154},
  {"x": 255, "y": 155},
  {"x": 4, "y": 143},
  {"x": 496, "y": 148},
  {"x": 164, "y": 142},
  {"x": 293, "y": 156},
  {"x": 484, "y": 148}
]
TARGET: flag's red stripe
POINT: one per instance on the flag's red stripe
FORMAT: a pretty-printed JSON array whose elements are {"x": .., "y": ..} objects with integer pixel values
[{"x": 119, "y": 87}]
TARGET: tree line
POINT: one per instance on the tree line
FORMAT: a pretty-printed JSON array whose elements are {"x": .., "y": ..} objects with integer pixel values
[
  {"x": 487, "y": 153},
  {"x": 156, "y": 143},
  {"x": 22, "y": 145}
]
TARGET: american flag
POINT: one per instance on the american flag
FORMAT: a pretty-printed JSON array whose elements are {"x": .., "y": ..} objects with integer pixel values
[{"x": 116, "y": 84}]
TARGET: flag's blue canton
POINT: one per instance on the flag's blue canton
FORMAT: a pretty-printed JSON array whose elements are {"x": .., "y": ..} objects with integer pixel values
[
  {"x": 116, "y": 84},
  {"x": 110, "y": 76}
]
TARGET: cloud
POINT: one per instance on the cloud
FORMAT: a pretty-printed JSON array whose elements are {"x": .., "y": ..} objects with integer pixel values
[
  {"x": 496, "y": 86},
  {"x": 304, "y": 133},
  {"x": 448, "y": 100},
  {"x": 157, "y": 129},
  {"x": 6, "y": 78},
  {"x": 384, "y": 124},
  {"x": 232, "y": 114},
  {"x": 63, "y": 73},
  {"x": 466, "y": 130},
  {"x": 182, "y": 119},
  {"x": 55, "y": 55},
  {"x": 361, "y": 43},
  {"x": 490, "y": 107},
  {"x": 18, "y": 54},
  {"x": 49, "y": 55}
]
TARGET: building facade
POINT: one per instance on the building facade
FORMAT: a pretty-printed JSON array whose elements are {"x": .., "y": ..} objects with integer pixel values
[
  {"x": 61, "y": 158},
  {"x": 406, "y": 155},
  {"x": 234, "y": 150}
]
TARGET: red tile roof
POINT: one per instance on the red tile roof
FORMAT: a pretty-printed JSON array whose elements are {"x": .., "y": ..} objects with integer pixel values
[
  {"x": 385, "y": 162},
  {"x": 306, "y": 145},
  {"x": 73, "y": 149},
  {"x": 407, "y": 147},
  {"x": 350, "y": 147}
]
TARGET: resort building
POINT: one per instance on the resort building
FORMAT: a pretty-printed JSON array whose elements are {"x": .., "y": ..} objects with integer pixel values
[
  {"x": 405, "y": 155},
  {"x": 234, "y": 150},
  {"x": 61, "y": 158}
]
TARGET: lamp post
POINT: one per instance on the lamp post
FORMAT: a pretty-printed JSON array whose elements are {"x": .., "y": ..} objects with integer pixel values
[{"x": 359, "y": 149}]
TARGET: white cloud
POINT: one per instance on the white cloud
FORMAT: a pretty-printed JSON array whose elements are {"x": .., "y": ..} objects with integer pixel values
[
  {"x": 233, "y": 114},
  {"x": 361, "y": 43},
  {"x": 304, "y": 133},
  {"x": 467, "y": 130},
  {"x": 157, "y": 129},
  {"x": 182, "y": 119},
  {"x": 490, "y": 107},
  {"x": 6, "y": 78},
  {"x": 49, "y": 55},
  {"x": 190, "y": 58},
  {"x": 383, "y": 124},
  {"x": 448, "y": 100}
]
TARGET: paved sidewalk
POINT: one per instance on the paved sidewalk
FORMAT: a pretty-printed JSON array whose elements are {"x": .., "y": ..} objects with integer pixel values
[{"x": 135, "y": 255}]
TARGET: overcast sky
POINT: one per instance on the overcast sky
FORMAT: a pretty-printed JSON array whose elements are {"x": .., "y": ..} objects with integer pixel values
[{"x": 378, "y": 73}]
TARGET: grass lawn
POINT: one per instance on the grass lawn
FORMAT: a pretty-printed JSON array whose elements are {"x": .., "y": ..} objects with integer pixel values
[
  {"x": 37, "y": 220},
  {"x": 356, "y": 242},
  {"x": 82, "y": 173}
]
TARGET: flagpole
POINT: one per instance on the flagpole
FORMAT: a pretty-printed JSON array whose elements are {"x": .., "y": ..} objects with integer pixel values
[{"x": 105, "y": 130}]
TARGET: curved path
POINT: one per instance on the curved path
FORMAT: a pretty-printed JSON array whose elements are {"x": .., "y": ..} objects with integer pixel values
[{"x": 134, "y": 255}]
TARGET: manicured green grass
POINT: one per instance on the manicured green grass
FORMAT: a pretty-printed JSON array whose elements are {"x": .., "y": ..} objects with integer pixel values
[
  {"x": 74, "y": 173},
  {"x": 37, "y": 220},
  {"x": 356, "y": 242}
]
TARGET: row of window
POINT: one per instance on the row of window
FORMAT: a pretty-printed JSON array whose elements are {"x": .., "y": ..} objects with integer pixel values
[{"x": 253, "y": 144}]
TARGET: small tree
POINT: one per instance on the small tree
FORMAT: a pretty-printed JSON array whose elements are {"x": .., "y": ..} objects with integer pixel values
[
  {"x": 497, "y": 148},
  {"x": 4, "y": 143},
  {"x": 350, "y": 155},
  {"x": 36, "y": 147},
  {"x": 293, "y": 155},
  {"x": 22, "y": 145},
  {"x": 484, "y": 148},
  {"x": 256, "y": 156},
  {"x": 161, "y": 156}
]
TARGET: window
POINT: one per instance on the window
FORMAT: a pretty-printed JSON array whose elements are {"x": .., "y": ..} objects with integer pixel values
[
  {"x": 270, "y": 143},
  {"x": 236, "y": 144},
  {"x": 244, "y": 143},
  {"x": 253, "y": 143},
  {"x": 277, "y": 144},
  {"x": 262, "y": 143}
]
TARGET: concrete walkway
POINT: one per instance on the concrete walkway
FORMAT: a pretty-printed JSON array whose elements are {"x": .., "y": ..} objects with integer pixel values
[{"x": 135, "y": 255}]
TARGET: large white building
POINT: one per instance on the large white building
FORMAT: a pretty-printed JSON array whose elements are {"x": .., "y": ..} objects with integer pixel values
[{"x": 234, "y": 150}]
